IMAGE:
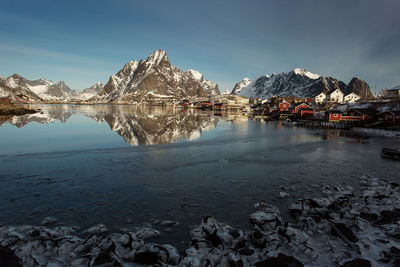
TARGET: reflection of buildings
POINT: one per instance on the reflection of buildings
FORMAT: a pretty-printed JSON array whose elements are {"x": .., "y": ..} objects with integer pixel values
[{"x": 138, "y": 125}]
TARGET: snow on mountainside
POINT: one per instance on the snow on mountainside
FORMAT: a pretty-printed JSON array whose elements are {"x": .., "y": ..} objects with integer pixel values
[
  {"x": 91, "y": 91},
  {"x": 300, "y": 83},
  {"x": 43, "y": 89},
  {"x": 154, "y": 79},
  {"x": 15, "y": 88},
  {"x": 240, "y": 85},
  {"x": 208, "y": 85}
]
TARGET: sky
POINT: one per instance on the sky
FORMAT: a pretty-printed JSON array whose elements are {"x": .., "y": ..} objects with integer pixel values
[{"x": 84, "y": 42}]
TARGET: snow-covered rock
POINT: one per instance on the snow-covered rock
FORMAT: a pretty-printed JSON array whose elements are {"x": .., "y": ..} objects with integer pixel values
[
  {"x": 240, "y": 85},
  {"x": 300, "y": 83},
  {"x": 154, "y": 79}
]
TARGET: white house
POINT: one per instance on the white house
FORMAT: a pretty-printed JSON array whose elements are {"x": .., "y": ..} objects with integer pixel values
[
  {"x": 351, "y": 98},
  {"x": 336, "y": 96},
  {"x": 320, "y": 98}
]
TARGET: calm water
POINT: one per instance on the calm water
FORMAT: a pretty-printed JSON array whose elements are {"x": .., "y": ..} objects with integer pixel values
[{"x": 125, "y": 166}]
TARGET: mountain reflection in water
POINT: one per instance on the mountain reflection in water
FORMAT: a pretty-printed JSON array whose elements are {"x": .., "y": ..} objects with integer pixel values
[{"x": 137, "y": 125}]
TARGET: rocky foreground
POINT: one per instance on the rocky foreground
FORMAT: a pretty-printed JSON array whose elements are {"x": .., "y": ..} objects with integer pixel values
[
  {"x": 11, "y": 110},
  {"x": 344, "y": 227}
]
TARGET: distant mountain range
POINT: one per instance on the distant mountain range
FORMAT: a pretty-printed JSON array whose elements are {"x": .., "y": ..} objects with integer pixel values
[
  {"x": 300, "y": 83},
  {"x": 146, "y": 81},
  {"x": 155, "y": 80},
  {"x": 18, "y": 87}
]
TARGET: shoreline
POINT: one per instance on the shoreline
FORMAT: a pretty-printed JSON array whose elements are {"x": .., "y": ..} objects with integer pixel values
[
  {"x": 340, "y": 227},
  {"x": 12, "y": 110}
]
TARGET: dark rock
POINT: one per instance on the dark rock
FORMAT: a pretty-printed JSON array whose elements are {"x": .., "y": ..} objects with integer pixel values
[
  {"x": 238, "y": 263},
  {"x": 8, "y": 258},
  {"x": 369, "y": 216},
  {"x": 102, "y": 258},
  {"x": 388, "y": 216},
  {"x": 146, "y": 257},
  {"x": 357, "y": 263},
  {"x": 258, "y": 239},
  {"x": 246, "y": 251},
  {"x": 395, "y": 252},
  {"x": 340, "y": 228},
  {"x": 35, "y": 233},
  {"x": 396, "y": 263},
  {"x": 281, "y": 260}
]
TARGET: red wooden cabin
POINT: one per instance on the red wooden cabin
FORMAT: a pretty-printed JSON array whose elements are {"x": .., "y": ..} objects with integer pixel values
[
  {"x": 306, "y": 112},
  {"x": 389, "y": 116},
  {"x": 302, "y": 105},
  {"x": 333, "y": 115},
  {"x": 284, "y": 106}
]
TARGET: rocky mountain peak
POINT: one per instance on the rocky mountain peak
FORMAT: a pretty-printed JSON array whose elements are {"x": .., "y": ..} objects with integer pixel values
[
  {"x": 157, "y": 57},
  {"x": 360, "y": 87},
  {"x": 154, "y": 78},
  {"x": 304, "y": 72},
  {"x": 195, "y": 75},
  {"x": 301, "y": 83},
  {"x": 238, "y": 86}
]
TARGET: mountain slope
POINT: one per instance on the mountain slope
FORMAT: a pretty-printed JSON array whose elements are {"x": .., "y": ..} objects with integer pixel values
[
  {"x": 16, "y": 89},
  {"x": 240, "y": 85},
  {"x": 91, "y": 91},
  {"x": 41, "y": 89},
  {"x": 153, "y": 79},
  {"x": 300, "y": 83}
]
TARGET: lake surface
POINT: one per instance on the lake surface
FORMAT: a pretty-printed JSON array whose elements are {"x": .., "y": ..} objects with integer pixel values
[{"x": 126, "y": 166}]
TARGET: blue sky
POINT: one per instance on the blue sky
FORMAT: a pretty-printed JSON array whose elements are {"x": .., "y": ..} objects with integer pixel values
[{"x": 82, "y": 42}]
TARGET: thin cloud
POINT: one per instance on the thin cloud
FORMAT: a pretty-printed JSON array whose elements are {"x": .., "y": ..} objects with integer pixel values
[{"x": 54, "y": 55}]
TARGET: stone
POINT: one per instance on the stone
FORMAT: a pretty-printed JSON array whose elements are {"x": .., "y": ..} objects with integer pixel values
[
  {"x": 281, "y": 260},
  {"x": 49, "y": 220},
  {"x": 8, "y": 258},
  {"x": 357, "y": 263},
  {"x": 340, "y": 228}
]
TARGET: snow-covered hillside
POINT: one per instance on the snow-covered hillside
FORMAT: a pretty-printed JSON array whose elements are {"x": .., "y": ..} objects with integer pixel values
[{"x": 298, "y": 82}]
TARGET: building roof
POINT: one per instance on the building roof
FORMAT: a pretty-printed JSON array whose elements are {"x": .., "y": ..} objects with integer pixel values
[
  {"x": 365, "y": 111},
  {"x": 394, "y": 112},
  {"x": 303, "y": 103},
  {"x": 334, "y": 111},
  {"x": 333, "y": 90}
]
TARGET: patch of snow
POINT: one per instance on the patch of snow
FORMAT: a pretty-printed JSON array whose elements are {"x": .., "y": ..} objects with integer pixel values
[
  {"x": 300, "y": 71},
  {"x": 195, "y": 75}
]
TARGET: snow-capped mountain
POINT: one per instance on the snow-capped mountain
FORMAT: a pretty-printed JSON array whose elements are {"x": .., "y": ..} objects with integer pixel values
[
  {"x": 91, "y": 91},
  {"x": 153, "y": 79},
  {"x": 240, "y": 85},
  {"x": 300, "y": 83},
  {"x": 16, "y": 89},
  {"x": 42, "y": 88},
  {"x": 208, "y": 85},
  {"x": 60, "y": 91}
]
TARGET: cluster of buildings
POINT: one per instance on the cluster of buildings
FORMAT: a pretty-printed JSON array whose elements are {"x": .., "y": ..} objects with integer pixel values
[
  {"x": 352, "y": 115},
  {"x": 336, "y": 96}
]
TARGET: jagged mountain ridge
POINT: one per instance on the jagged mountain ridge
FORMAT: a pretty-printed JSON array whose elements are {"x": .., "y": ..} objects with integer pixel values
[
  {"x": 16, "y": 86},
  {"x": 91, "y": 91},
  {"x": 240, "y": 85},
  {"x": 154, "y": 79},
  {"x": 300, "y": 83}
]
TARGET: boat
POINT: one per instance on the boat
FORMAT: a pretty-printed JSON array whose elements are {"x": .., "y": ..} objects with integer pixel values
[{"x": 389, "y": 153}]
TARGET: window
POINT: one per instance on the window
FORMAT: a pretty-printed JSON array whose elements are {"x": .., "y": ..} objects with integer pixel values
[{"x": 335, "y": 115}]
